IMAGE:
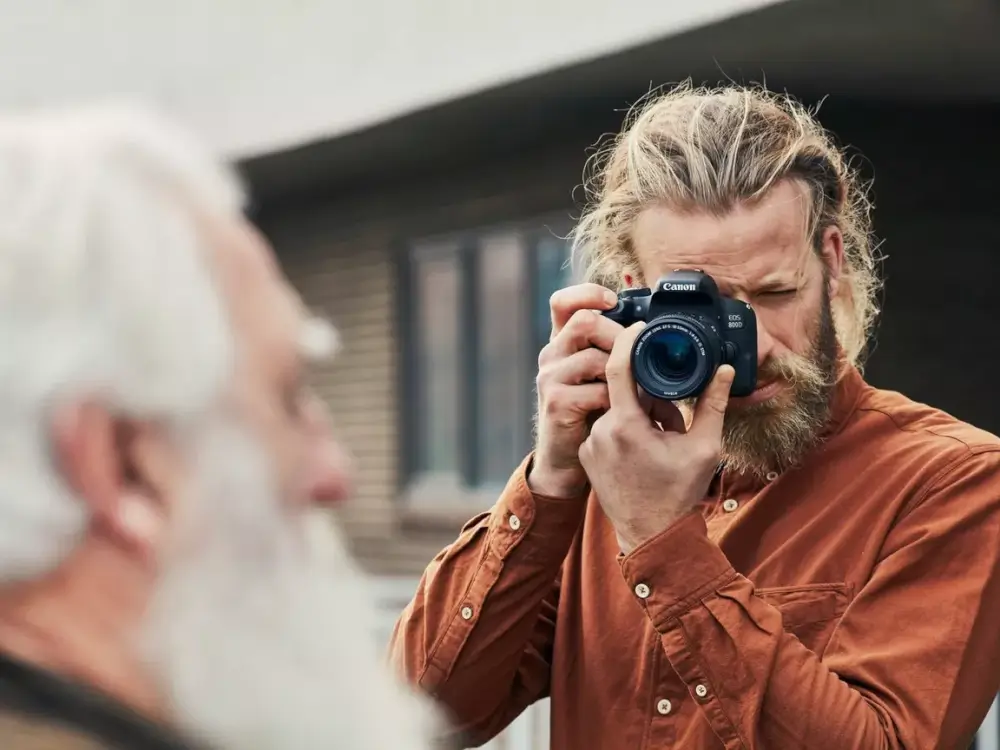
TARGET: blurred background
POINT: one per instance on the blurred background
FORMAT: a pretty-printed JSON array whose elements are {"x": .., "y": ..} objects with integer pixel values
[{"x": 416, "y": 164}]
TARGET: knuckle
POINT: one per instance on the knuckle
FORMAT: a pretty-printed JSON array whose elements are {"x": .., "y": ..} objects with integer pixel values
[
  {"x": 707, "y": 452},
  {"x": 595, "y": 361},
  {"x": 554, "y": 402},
  {"x": 615, "y": 369},
  {"x": 558, "y": 407},
  {"x": 619, "y": 431},
  {"x": 544, "y": 357},
  {"x": 609, "y": 430},
  {"x": 599, "y": 430},
  {"x": 556, "y": 299},
  {"x": 582, "y": 322},
  {"x": 544, "y": 377}
]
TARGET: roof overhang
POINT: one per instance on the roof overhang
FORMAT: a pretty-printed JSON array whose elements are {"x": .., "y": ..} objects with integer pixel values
[{"x": 904, "y": 51}]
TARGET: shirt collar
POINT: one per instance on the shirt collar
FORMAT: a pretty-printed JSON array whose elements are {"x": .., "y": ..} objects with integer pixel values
[{"x": 847, "y": 394}]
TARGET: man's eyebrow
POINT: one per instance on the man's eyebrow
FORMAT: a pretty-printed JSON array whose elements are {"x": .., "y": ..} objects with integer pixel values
[
  {"x": 318, "y": 340},
  {"x": 775, "y": 282}
]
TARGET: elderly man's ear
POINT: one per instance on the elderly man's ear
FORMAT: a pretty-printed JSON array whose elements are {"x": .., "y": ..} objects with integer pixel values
[{"x": 122, "y": 470}]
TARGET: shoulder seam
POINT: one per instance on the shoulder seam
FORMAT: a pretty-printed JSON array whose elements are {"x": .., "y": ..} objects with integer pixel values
[
  {"x": 932, "y": 484},
  {"x": 974, "y": 448}
]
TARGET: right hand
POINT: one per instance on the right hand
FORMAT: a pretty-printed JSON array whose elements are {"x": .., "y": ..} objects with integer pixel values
[{"x": 571, "y": 386}]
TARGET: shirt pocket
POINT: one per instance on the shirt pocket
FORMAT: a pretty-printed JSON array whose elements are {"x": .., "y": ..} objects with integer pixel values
[{"x": 810, "y": 612}]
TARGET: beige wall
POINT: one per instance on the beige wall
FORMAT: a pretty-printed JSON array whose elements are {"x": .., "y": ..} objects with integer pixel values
[
  {"x": 351, "y": 281},
  {"x": 341, "y": 256}
]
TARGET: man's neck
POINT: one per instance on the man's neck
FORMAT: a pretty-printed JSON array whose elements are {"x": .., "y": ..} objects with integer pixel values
[{"x": 80, "y": 622}]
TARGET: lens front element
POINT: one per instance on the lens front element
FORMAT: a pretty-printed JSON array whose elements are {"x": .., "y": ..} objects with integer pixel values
[{"x": 675, "y": 356}]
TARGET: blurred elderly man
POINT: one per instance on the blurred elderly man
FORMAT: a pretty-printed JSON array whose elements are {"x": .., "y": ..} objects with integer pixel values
[{"x": 167, "y": 577}]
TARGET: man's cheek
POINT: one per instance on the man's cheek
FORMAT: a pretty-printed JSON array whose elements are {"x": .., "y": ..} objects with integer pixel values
[{"x": 791, "y": 331}]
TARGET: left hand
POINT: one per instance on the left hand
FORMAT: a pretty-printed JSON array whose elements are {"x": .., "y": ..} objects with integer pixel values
[{"x": 647, "y": 477}]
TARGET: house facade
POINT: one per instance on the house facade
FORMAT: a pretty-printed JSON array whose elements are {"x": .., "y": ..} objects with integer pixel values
[{"x": 434, "y": 241}]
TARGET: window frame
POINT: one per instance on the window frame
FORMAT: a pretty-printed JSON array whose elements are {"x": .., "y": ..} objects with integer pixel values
[{"x": 451, "y": 501}]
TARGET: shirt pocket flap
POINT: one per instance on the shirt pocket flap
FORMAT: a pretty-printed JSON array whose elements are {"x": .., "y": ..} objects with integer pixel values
[{"x": 808, "y": 604}]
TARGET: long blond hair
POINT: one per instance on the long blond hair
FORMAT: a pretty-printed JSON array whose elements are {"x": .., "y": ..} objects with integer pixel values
[{"x": 714, "y": 148}]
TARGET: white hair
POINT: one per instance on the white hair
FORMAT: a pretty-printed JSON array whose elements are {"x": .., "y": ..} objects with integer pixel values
[
  {"x": 260, "y": 630},
  {"x": 259, "y": 626},
  {"x": 105, "y": 293}
]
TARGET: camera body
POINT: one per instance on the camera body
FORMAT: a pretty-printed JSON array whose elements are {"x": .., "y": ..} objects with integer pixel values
[{"x": 691, "y": 329}]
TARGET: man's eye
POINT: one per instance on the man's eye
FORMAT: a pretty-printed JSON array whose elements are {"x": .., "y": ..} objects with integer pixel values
[{"x": 779, "y": 293}]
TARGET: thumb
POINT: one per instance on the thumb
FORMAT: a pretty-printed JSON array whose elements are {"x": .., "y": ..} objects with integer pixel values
[{"x": 710, "y": 409}]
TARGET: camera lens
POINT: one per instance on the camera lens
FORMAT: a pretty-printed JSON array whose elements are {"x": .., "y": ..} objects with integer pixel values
[
  {"x": 675, "y": 356},
  {"x": 672, "y": 355}
]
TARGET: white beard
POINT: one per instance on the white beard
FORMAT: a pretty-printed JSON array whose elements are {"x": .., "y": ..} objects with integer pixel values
[{"x": 261, "y": 631}]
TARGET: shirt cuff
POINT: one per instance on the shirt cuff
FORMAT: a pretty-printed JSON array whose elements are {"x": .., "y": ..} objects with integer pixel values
[
  {"x": 673, "y": 571},
  {"x": 545, "y": 525}
]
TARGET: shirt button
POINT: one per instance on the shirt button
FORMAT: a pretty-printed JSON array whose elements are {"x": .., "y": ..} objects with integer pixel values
[
  {"x": 466, "y": 613},
  {"x": 664, "y": 706},
  {"x": 700, "y": 690},
  {"x": 642, "y": 591},
  {"x": 514, "y": 521},
  {"x": 730, "y": 505},
  {"x": 771, "y": 476}
]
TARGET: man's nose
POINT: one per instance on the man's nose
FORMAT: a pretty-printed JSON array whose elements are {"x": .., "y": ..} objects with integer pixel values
[
  {"x": 765, "y": 342},
  {"x": 332, "y": 473},
  {"x": 330, "y": 465}
]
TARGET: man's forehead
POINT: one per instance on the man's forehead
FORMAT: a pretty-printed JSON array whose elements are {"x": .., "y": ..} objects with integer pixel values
[
  {"x": 266, "y": 309},
  {"x": 757, "y": 242}
]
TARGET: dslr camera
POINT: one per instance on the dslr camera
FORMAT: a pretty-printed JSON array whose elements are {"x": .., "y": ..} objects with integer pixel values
[{"x": 690, "y": 331}]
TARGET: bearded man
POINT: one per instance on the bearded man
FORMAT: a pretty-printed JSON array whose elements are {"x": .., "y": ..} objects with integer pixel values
[
  {"x": 168, "y": 575},
  {"x": 814, "y": 565}
]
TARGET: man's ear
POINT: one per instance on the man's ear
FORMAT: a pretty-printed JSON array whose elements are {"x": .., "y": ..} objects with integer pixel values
[
  {"x": 832, "y": 255},
  {"x": 106, "y": 463}
]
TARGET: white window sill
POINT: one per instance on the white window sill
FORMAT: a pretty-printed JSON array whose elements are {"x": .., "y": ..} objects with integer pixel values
[{"x": 441, "y": 500}]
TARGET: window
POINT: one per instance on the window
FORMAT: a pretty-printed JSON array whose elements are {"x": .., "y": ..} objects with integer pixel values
[{"x": 474, "y": 316}]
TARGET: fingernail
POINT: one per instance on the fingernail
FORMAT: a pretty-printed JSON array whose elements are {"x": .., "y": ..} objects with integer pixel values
[{"x": 610, "y": 297}]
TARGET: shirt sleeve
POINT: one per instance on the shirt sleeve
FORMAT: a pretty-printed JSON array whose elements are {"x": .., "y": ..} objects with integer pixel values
[
  {"x": 913, "y": 663},
  {"x": 478, "y": 634}
]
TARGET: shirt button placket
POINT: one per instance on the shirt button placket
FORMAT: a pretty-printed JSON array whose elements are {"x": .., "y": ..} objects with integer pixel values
[{"x": 663, "y": 718}]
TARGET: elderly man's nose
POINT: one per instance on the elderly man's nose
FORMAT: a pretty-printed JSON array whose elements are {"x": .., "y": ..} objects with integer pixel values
[{"x": 333, "y": 472}]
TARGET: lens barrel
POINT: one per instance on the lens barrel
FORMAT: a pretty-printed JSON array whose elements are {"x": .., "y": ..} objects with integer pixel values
[{"x": 675, "y": 356}]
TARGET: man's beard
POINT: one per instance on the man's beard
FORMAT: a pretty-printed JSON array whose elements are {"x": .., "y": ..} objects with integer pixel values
[
  {"x": 776, "y": 434},
  {"x": 261, "y": 632}
]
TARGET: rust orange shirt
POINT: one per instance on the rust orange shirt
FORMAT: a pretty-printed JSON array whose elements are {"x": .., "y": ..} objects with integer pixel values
[{"x": 853, "y": 602}]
